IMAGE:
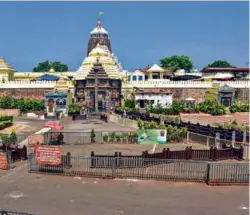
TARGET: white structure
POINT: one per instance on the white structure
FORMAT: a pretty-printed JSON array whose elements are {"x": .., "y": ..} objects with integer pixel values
[
  {"x": 166, "y": 84},
  {"x": 108, "y": 60},
  {"x": 137, "y": 76},
  {"x": 154, "y": 97}
]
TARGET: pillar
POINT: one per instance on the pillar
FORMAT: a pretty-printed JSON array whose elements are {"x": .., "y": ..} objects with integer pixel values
[
  {"x": 161, "y": 75},
  {"x": 150, "y": 76}
]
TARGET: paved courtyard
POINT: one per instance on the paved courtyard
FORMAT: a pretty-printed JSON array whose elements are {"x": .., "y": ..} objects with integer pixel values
[{"x": 57, "y": 195}]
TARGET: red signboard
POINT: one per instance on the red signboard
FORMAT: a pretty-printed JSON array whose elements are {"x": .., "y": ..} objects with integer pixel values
[
  {"x": 49, "y": 155},
  {"x": 34, "y": 139},
  {"x": 3, "y": 160}
]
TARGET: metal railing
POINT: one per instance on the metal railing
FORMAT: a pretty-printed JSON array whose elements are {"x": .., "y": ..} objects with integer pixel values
[
  {"x": 5, "y": 212},
  {"x": 144, "y": 168}
]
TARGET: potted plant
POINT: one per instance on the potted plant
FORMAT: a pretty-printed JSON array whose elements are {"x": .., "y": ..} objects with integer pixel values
[
  {"x": 13, "y": 137},
  {"x": 92, "y": 135},
  {"x": 112, "y": 137},
  {"x": 134, "y": 138},
  {"x": 105, "y": 138},
  {"x": 124, "y": 137},
  {"x": 130, "y": 136},
  {"x": 118, "y": 138}
]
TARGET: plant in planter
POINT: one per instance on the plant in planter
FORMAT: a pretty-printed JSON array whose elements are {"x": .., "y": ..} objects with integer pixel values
[
  {"x": 13, "y": 137},
  {"x": 112, "y": 136},
  {"x": 92, "y": 135},
  {"x": 130, "y": 136},
  {"x": 124, "y": 137},
  {"x": 118, "y": 138},
  {"x": 134, "y": 138},
  {"x": 105, "y": 138}
]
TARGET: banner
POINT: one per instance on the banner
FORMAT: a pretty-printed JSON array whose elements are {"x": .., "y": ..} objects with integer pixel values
[
  {"x": 49, "y": 155},
  {"x": 34, "y": 138},
  {"x": 152, "y": 136},
  {"x": 3, "y": 161}
]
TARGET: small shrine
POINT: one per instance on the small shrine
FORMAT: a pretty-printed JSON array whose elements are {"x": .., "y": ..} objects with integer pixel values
[
  {"x": 226, "y": 95},
  {"x": 56, "y": 104}
]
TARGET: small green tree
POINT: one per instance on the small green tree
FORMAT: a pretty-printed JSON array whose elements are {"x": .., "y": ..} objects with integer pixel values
[
  {"x": 45, "y": 66},
  {"x": 92, "y": 135},
  {"x": 176, "y": 62},
  {"x": 220, "y": 63}
]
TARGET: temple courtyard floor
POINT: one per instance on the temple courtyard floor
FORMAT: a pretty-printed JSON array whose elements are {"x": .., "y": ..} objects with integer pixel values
[{"x": 58, "y": 195}]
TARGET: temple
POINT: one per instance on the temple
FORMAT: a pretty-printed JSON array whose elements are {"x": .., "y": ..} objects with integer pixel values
[
  {"x": 100, "y": 81},
  {"x": 98, "y": 36},
  {"x": 99, "y": 78}
]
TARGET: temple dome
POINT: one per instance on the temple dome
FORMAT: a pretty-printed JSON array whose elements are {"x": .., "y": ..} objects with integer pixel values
[
  {"x": 98, "y": 51},
  {"x": 4, "y": 65},
  {"x": 99, "y": 29},
  {"x": 108, "y": 61}
]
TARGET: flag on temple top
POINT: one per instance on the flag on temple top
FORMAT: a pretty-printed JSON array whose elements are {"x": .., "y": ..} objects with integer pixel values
[{"x": 100, "y": 13}]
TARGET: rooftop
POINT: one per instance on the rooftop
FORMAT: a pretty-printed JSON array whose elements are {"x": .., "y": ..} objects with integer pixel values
[{"x": 233, "y": 69}]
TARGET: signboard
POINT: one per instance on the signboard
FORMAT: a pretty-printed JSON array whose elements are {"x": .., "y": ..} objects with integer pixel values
[
  {"x": 34, "y": 138},
  {"x": 56, "y": 101},
  {"x": 152, "y": 136},
  {"x": 3, "y": 161},
  {"x": 49, "y": 155}
]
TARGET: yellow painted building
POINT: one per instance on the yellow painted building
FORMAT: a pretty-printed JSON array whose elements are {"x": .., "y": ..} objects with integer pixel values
[{"x": 6, "y": 71}]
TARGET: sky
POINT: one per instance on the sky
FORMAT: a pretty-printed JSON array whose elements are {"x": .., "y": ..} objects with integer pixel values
[{"x": 141, "y": 33}]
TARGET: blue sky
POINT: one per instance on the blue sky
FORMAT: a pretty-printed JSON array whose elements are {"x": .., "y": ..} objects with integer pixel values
[{"x": 141, "y": 33}]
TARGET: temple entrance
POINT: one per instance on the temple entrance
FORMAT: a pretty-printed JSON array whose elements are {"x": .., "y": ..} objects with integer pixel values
[{"x": 226, "y": 101}]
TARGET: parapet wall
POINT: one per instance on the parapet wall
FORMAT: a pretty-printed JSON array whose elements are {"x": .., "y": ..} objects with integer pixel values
[{"x": 184, "y": 84}]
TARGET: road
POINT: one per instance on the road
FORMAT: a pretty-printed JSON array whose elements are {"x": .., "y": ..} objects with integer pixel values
[{"x": 58, "y": 195}]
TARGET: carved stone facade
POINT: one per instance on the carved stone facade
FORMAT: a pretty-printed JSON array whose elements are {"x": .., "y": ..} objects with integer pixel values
[{"x": 109, "y": 90}]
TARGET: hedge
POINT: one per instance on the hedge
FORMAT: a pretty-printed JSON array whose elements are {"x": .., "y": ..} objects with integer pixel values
[
  {"x": 239, "y": 108},
  {"x": 23, "y": 104}
]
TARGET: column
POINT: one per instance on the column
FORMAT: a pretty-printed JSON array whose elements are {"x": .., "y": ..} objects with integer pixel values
[{"x": 161, "y": 75}]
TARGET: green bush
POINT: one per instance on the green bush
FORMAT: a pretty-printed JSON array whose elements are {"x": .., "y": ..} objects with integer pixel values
[
  {"x": 74, "y": 108},
  {"x": 239, "y": 108},
  {"x": 211, "y": 106},
  {"x": 5, "y": 124},
  {"x": 173, "y": 132},
  {"x": 23, "y": 104},
  {"x": 129, "y": 103},
  {"x": 175, "y": 109},
  {"x": 6, "y": 118},
  {"x": 92, "y": 134}
]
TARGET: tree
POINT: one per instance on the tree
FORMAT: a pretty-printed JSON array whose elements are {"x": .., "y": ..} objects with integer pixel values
[
  {"x": 176, "y": 62},
  {"x": 220, "y": 64},
  {"x": 46, "y": 66}
]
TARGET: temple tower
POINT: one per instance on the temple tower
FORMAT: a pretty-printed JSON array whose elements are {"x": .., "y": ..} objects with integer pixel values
[{"x": 98, "y": 36}]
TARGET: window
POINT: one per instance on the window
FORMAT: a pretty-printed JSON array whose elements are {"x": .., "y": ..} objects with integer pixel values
[
  {"x": 134, "y": 78},
  {"x": 140, "y": 77}
]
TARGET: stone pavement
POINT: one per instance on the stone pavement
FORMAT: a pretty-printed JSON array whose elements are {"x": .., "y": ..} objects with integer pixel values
[{"x": 58, "y": 195}]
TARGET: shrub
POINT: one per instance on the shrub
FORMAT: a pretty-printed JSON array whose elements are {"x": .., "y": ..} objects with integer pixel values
[
  {"x": 74, "y": 108},
  {"x": 6, "y": 118},
  {"x": 92, "y": 134},
  {"x": 239, "y": 108},
  {"x": 23, "y": 104},
  {"x": 175, "y": 109},
  {"x": 129, "y": 103},
  {"x": 212, "y": 107}
]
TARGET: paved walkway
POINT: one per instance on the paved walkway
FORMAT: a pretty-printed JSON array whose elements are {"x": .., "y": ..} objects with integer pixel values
[{"x": 57, "y": 195}]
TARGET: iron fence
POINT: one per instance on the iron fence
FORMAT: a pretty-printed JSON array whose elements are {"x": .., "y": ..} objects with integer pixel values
[
  {"x": 5, "y": 212},
  {"x": 82, "y": 138},
  {"x": 145, "y": 168}
]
